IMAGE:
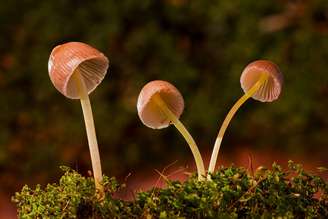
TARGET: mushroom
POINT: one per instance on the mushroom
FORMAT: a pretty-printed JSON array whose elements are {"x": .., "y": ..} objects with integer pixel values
[
  {"x": 159, "y": 105},
  {"x": 75, "y": 70},
  {"x": 262, "y": 80}
]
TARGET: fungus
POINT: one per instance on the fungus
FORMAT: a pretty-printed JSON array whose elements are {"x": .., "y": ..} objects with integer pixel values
[
  {"x": 159, "y": 105},
  {"x": 75, "y": 70},
  {"x": 262, "y": 80}
]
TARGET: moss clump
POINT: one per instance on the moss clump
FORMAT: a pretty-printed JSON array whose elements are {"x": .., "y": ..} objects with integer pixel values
[
  {"x": 73, "y": 197},
  {"x": 233, "y": 193}
]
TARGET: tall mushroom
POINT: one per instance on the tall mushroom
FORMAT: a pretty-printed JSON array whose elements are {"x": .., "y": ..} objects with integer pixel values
[
  {"x": 262, "y": 80},
  {"x": 75, "y": 70},
  {"x": 159, "y": 105}
]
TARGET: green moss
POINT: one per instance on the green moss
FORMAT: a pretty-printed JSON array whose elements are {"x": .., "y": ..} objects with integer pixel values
[{"x": 233, "y": 193}]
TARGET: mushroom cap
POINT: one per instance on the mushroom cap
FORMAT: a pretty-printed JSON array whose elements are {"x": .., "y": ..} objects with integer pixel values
[
  {"x": 148, "y": 111},
  {"x": 270, "y": 90},
  {"x": 69, "y": 57}
]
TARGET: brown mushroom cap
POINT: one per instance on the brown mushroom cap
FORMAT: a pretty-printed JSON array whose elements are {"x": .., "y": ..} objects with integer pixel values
[
  {"x": 66, "y": 58},
  {"x": 271, "y": 89},
  {"x": 149, "y": 113}
]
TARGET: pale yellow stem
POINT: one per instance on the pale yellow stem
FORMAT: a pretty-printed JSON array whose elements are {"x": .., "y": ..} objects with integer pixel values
[
  {"x": 181, "y": 128},
  {"x": 91, "y": 131},
  {"x": 228, "y": 118}
]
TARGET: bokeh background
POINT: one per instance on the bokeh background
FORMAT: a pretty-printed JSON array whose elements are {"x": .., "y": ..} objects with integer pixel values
[{"x": 199, "y": 46}]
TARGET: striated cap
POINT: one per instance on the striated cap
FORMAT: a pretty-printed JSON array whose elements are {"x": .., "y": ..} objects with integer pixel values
[
  {"x": 271, "y": 89},
  {"x": 149, "y": 112},
  {"x": 76, "y": 56}
]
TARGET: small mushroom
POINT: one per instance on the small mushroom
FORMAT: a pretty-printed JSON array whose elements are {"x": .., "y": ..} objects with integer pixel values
[
  {"x": 159, "y": 105},
  {"x": 75, "y": 70},
  {"x": 262, "y": 80}
]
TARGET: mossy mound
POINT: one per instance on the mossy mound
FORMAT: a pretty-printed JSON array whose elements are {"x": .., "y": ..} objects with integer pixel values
[{"x": 233, "y": 193}]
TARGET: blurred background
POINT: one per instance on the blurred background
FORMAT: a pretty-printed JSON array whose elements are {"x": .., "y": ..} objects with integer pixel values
[{"x": 199, "y": 46}]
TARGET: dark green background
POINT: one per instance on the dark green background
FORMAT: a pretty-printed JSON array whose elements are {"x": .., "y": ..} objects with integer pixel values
[{"x": 199, "y": 46}]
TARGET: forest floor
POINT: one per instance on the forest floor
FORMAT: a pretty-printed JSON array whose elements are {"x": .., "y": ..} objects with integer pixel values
[{"x": 176, "y": 170}]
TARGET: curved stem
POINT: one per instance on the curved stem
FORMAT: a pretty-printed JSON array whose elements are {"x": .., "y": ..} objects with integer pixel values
[
  {"x": 192, "y": 144},
  {"x": 91, "y": 131},
  {"x": 233, "y": 110}
]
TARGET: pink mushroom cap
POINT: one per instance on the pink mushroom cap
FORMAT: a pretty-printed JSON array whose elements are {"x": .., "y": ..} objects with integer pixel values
[
  {"x": 271, "y": 89},
  {"x": 149, "y": 113},
  {"x": 69, "y": 57}
]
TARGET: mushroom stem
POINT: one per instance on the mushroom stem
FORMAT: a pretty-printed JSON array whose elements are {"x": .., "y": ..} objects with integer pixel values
[
  {"x": 263, "y": 79},
  {"x": 91, "y": 132},
  {"x": 182, "y": 129}
]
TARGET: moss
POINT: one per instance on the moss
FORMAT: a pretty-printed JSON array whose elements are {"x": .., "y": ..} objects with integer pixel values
[{"x": 233, "y": 193}]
